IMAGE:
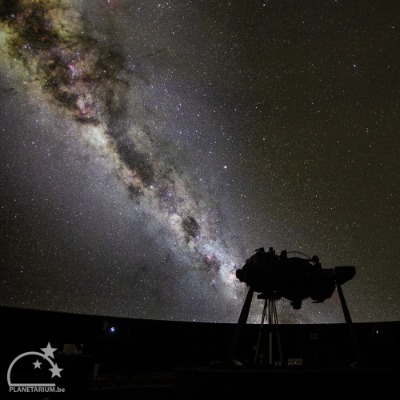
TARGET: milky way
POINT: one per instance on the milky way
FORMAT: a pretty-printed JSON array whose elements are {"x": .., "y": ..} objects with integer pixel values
[
  {"x": 90, "y": 83},
  {"x": 87, "y": 82},
  {"x": 150, "y": 147}
]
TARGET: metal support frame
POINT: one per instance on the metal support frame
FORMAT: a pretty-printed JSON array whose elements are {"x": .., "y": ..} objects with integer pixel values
[
  {"x": 270, "y": 313},
  {"x": 353, "y": 336}
]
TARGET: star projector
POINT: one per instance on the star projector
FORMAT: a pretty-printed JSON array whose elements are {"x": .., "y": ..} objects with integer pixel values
[{"x": 294, "y": 278}]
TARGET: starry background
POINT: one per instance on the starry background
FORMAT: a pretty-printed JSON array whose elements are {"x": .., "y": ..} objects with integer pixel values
[{"x": 173, "y": 138}]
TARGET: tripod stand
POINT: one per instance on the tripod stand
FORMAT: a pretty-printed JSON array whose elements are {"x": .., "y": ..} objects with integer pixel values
[{"x": 270, "y": 313}]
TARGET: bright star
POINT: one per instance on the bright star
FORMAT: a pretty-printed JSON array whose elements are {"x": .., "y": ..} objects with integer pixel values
[
  {"x": 49, "y": 351},
  {"x": 55, "y": 371},
  {"x": 37, "y": 364}
]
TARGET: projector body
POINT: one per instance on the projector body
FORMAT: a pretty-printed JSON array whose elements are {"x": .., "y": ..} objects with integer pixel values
[{"x": 294, "y": 278}]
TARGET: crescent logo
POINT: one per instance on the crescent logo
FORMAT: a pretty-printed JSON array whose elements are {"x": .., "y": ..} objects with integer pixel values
[{"x": 42, "y": 361}]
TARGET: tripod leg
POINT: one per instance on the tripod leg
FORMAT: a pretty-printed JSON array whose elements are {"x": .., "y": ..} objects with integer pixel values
[
  {"x": 241, "y": 323},
  {"x": 278, "y": 336},
  {"x": 270, "y": 327},
  {"x": 260, "y": 332},
  {"x": 349, "y": 322}
]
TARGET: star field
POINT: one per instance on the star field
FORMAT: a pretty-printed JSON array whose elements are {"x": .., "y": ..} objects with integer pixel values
[{"x": 148, "y": 148}]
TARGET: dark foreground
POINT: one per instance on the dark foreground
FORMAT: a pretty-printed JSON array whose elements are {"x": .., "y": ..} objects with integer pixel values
[{"x": 109, "y": 358}]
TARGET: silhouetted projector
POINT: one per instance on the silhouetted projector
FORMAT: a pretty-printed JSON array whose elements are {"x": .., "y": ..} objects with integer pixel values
[{"x": 294, "y": 278}]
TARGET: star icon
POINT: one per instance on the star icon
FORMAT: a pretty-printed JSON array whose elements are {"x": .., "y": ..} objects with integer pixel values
[
  {"x": 55, "y": 371},
  {"x": 49, "y": 351},
  {"x": 37, "y": 364}
]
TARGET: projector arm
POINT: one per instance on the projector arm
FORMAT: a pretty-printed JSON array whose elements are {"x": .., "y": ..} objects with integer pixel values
[
  {"x": 230, "y": 357},
  {"x": 353, "y": 336}
]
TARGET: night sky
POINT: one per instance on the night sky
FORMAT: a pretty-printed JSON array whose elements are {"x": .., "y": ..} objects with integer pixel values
[{"x": 147, "y": 148}]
